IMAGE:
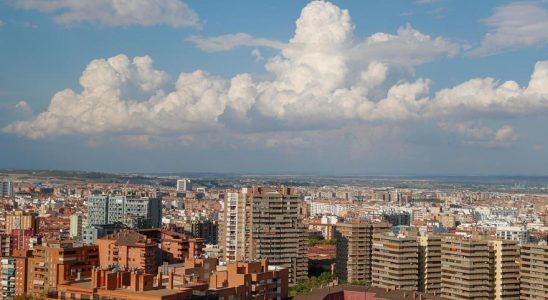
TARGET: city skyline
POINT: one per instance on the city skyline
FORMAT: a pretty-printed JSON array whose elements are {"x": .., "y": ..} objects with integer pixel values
[{"x": 297, "y": 87}]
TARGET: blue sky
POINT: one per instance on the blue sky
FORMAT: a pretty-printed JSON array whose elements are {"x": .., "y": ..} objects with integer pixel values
[{"x": 368, "y": 87}]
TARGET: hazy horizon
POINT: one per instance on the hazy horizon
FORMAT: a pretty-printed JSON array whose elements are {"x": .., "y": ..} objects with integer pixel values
[{"x": 417, "y": 88}]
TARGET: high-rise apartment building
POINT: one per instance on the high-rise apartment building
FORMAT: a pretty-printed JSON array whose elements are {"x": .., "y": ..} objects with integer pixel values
[
  {"x": 236, "y": 233},
  {"x": 184, "y": 185},
  {"x": 395, "y": 261},
  {"x": 135, "y": 210},
  {"x": 354, "y": 249},
  {"x": 534, "y": 271},
  {"x": 6, "y": 189},
  {"x": 430, "y": 263},
  {"x": 479, "y": 269},
  {"x": 262, "y": 223},
  {"x": 76, "y": 224},
  {"x": 277, "y": 232},
  {"x": 465, "y": 269},
  {"x": 504, "y": 279}
]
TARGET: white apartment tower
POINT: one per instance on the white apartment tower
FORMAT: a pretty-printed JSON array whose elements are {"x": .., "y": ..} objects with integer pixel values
[{"x": 184, "y": 185}]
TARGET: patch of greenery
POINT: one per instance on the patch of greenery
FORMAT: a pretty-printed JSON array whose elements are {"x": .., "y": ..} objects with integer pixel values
[
  {"x": 359, "y": 282},
  {"x": 305, "y": 285}
]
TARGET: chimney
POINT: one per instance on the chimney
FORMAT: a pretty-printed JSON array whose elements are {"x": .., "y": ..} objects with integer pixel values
[
  {"x": 95, "y": 278},
  {"x": 170, "y": 281},
  {"x": 119, "y": 280},
  {"x": 159, "y": 277},
  {"x": 104, "y": 274}
]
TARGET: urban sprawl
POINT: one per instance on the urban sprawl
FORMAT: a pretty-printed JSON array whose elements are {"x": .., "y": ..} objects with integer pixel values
[{"x": 77, "y": 236}]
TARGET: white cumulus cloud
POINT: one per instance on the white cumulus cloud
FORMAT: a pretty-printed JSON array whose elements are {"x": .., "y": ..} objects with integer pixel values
[
  {"x": 515, "y": 25},
  {"x": 174, "y": 13},
  {"x": 488, "y": 95},
  {"x": 107, "y": 103},
  {"x": 323, "y": 77}
]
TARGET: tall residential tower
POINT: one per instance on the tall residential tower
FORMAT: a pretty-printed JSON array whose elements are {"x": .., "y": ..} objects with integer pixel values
[{"x": 262, "y": 223}]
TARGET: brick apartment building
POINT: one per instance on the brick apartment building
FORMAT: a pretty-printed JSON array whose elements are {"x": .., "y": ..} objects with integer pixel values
[
  {"x": 128, "y": 250},
  {"x": 250, "y": 280},
  {"x": 175, "y": 247},
  {"x": 57, "y": 262}
]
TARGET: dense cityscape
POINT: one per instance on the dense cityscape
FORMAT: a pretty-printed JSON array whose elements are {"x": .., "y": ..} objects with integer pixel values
[{"x": 78, "y": 235}]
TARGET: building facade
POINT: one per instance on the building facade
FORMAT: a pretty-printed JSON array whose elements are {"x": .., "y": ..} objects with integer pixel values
[
  {"x": 250, "y": 280},
  {"x": 6, "y": 189},
  {"x": 478, "y": 268},
  {"x": 135, "y": 210},
  {"x": 128, "y": 250},
  {"x": 184, "y": 185},
  {"x": 236, "y": 228},
  {"x": 504, "y": 269},
  {"x": 534, "y": 271},
  {"x": 395, "y": 263},
  {"x": 354, "y": 249},
  {"x": 513, "y": 233},
  {"x": 277, "y": 232},
  {"x": 430, "y": 263},
  {"x": 76, "y": 226},
  {"x": 21, "y": 220},
  {"x": 264, "y": 223},
  {"x": 57, "y": 262}
]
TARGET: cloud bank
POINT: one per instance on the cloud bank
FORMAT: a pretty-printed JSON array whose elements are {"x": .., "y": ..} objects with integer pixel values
[
  {"x": 323, "y": 77},
  {"x": 174, "y": 13}
]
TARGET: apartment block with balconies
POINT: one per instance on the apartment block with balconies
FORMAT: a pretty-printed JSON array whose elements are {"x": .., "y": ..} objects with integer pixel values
[
  {"x": 395, "y": 261},
  {"x": 430, "y": 263},
  {"x": 534, "y": 271},
  {"x": 354, "y": 249}
]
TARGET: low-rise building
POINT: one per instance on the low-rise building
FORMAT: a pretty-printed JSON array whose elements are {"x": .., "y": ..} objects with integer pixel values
[
  {"x": 250, "y": 280},
  {"x": 111, "y": 284}
]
